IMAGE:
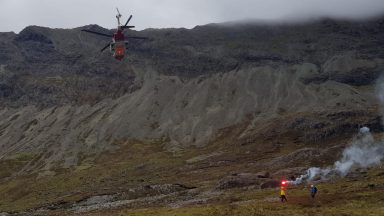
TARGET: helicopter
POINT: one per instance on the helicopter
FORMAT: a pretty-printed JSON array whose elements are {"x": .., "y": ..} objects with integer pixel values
[{"x": 118, "y": 45}]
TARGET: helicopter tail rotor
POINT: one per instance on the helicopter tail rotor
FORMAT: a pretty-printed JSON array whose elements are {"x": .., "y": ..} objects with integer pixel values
[
  {"x": 118, "y": 13},
  {"x": 125, "y": 26},
  {"x": 118, "y": 16}
]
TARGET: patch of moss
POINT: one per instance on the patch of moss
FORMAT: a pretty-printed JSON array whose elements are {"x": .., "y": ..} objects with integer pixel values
[{"x": 24, "y": 156}]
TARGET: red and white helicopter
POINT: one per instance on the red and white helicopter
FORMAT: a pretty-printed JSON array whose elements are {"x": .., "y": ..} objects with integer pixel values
[{"x": 119, "y": 43}]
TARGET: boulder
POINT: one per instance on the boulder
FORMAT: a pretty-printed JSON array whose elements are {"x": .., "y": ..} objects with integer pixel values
[
  {"x": 239, "y": 180},
  {"x": 263, "y": 174},
  {"x": 290, "y": 173},
  {"x": 270, "y": 184}
]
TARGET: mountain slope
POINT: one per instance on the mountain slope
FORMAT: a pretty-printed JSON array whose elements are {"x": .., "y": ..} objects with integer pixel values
[{"x": 215, "y": 99}]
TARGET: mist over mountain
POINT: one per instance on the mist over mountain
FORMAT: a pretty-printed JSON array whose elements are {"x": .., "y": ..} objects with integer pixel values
[{"x": 226, "y": 94}]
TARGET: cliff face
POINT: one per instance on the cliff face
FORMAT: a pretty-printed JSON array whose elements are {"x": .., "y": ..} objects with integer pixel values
[{"x": 61, "y": 99}]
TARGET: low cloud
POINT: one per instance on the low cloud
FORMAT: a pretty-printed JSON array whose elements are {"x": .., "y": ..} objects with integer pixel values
[{"x": 17, "y": 14}]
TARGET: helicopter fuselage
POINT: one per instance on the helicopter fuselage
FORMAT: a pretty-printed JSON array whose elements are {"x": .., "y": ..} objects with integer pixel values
[{"x": 118, "y": 45}]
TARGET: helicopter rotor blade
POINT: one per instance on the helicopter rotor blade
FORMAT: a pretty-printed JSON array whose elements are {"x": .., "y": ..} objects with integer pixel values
[
  {"x": 97, "y": 33},
  {"x": 140, "y": 38},
  {"x": 129, "y": 19},
  {"x": 127, "y": 27},
  {"x": 105, "y": 47}
]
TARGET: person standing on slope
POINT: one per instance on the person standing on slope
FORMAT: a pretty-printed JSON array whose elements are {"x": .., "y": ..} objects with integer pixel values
[
  {"x": 282, "y": 195},
  {"x": 313, "y": 191},
  {"x": 283, "y": 186}
]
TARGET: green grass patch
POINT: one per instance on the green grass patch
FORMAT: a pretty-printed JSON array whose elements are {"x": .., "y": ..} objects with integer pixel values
[
  {"x": 24, "y": 156},
  {"x": 136, "y": 163}
]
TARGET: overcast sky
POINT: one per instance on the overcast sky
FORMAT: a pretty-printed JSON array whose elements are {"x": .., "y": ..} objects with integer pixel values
[{"x": 17, "y": 14}]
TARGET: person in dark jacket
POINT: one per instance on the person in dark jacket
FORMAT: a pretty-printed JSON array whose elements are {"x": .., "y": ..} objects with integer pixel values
[{"x": 313, "y": 191}]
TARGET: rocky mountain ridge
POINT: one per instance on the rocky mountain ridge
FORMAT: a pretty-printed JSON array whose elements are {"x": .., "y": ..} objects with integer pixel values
[
  {"x": 211, "y": 116},
  {"x": 61, "y": 99}
]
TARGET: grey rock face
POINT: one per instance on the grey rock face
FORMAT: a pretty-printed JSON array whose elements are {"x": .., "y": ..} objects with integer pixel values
[
  {"x": 57, "y": 66},
  {"x": 187, "y": 113}
]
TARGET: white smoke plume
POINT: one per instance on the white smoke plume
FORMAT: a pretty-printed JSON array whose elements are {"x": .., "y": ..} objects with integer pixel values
[
  {"x": 380, "y": 94},
  {"x": 362, "y": 153}
]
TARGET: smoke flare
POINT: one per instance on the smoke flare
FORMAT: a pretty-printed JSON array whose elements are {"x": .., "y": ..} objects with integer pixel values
[{"x": 363, "y": 152}]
